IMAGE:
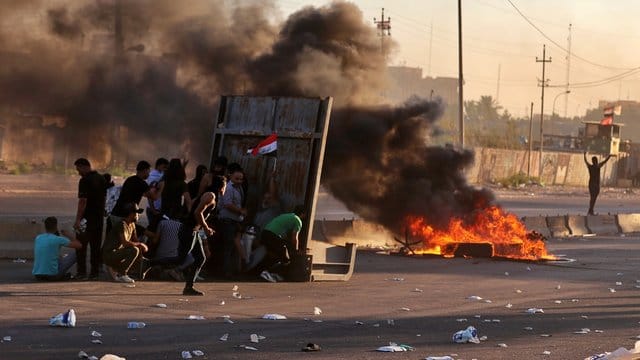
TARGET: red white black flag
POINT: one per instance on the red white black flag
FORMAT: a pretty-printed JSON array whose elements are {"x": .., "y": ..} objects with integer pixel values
[{"x": 266, "y": 146}]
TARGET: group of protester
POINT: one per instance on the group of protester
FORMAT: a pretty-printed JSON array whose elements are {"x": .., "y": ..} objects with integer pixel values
[{"x": 185, "y": 221}]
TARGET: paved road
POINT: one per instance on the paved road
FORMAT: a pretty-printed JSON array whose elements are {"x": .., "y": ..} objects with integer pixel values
[
  {"x": 39, "y": 195},
  {"x": 573, "y": 296}
]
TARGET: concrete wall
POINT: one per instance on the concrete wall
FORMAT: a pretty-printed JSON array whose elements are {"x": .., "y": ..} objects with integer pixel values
[{"x": 559, "y": 168}]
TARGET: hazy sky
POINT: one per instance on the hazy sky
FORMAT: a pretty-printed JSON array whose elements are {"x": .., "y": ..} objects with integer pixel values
[{"x": 604, "y": 42}]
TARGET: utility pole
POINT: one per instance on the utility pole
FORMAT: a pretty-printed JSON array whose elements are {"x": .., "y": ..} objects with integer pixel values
[
  {"x": 384, "y": 29},
  {"x": 566, "y": 99},
  {"x": 430, "y": 42},
  {"x": 530, "y": 142},
  {"x": 543, "y": 84},
  {"x": 498, "y": 86},
  {"x": 460, "y": 78}
]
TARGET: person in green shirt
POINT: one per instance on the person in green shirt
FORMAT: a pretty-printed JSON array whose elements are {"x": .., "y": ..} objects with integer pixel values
[
  {"x": 280, "y": 237},
  {"x": 122, "y": 249}
]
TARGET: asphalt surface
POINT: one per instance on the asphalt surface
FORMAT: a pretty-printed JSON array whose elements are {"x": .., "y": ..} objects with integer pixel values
[{"x": 426, "y": 298}]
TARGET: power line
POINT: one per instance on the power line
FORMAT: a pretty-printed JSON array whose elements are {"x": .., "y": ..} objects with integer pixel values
[{"x": 558, "y": 45}]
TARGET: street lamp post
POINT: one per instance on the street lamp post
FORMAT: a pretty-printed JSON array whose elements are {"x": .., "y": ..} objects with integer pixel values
[{"x": 553, "y": 108}]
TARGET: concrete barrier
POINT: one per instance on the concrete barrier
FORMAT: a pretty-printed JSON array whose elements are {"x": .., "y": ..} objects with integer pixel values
[
  {"x": 17, "y": 234},
  {"x": 558, "y": 226},
  {"x": 629, "y": 223},
  {"x": 577, "y": 225},
  {"x": 537, "y": 224},
  {"x": 602, "y": 224}
]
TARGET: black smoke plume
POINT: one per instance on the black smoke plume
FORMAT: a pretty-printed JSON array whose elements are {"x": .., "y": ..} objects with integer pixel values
[{"x": 153, "y": 70}]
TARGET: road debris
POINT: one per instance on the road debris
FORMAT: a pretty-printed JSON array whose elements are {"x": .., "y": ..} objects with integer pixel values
[
  {"x": 470, "y": 334},
  {"x": 66, "y": 319}
]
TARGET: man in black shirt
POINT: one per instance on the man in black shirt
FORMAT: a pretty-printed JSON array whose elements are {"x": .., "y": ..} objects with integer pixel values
[
  {"x": 133, "y": 189},
  {"x": 594, "y": 179},
  {"x": 92, "y": 190}
]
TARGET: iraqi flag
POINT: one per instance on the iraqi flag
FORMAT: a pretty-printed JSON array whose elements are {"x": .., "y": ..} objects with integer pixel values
[
  {"x": 608, "y": 120},
  {"x": 266, "y": 146}
]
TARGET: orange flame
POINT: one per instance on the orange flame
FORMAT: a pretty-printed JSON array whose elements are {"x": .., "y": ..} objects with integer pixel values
[{"x": 507, "y": 236}]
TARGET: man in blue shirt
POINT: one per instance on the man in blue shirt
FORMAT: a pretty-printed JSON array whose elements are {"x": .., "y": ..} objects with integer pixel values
[{"x": 48, "y": 264}]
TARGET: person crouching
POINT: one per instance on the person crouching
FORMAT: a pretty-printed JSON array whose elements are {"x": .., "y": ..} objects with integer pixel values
[{"x": 122, "y": 249}]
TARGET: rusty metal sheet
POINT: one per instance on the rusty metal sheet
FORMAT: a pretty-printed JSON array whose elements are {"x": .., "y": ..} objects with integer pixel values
[{"x": 301, "y": 125}]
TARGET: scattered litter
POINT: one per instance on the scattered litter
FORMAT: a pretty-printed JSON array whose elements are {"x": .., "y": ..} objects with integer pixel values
[
  {"x": 224, "y": 337},
  {"x": 612, "y": 290},
  {"x": 506, "y": 273},
  {"x": 359, "y": 322},
  {"x": 391, "y": 322},
  {"x": 558, "y": 287},
  {"x": 393, "y": 347},
  {"x": 509, "y": 306},
  {"x": 316, "y": 320},
  {"x": 598, "y": 331},
  {"x": 376, "y": 325},
  {"x": 195, "y": 317},
  {"x": 487, "y": 320},
  {"x": 186, "y": 355},
  {"x": 254, "y": 338},
  {"x": 96, "y": 341},
  {"x": 619, "y": 283},
  {"x": 274, "y": 317},
  {"x": 396, "y": 279},
  {"x": 528, "y": 268},
  {"x": 83, "y": 355},
  {"x": 96, "y": 334},
  {"x": 417, "y": 290},
  {"x": 546, "y": 352},
  {"x": 477, "y": 316},
  {"x": 528, "y": 328},
  {"x": 66, "y": 319},
  {"x": 6, "y": 338},
  {"x": 488, "y": 301},
  {"x": 311, "y": 347},
  {"x": 185, "y": 300},
  {"x": 619, "y": 354},
  {"x": 135, "y": 325},
  {"x": 247, "y": 347},
  {"x": 619, "y": 274},
  {"x": 583, "y": 331},
  {"x": 495, "y": 320},
  {"x": 545, "y": 335},
  {"x": 198, "y": 352},
  {"x": 19, "y": 261},
  {"x": 483, "y": 338},
  {"x": 438, "y": 358},
  {"x": 112, "y": 357},
  {"x": 503, "y": 345},
  {"x": 557, "y": 302},
  {"x": 474, "y": 297},
  {"x": 470, "y": 334},
  {"x": 227, "y": 320},
  {"x": 518, "y": 291},
  {"x": 161, "y": 306},
  {"x": 221, "y": 302},
  {"x": 129, "y": 285},
  {"x": 236, "y": 295},
  {"x": 461, "y": 320},
  {"x": 317, "y": 311},
  {"x": 575, "y": 300},
  {"x": 534, "y": 310},
  {"x": 234, "y": 288},
  {"x": 405, "y": 309}
]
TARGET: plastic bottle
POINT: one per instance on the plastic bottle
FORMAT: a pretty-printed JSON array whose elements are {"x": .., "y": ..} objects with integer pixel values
[{"x": 135, "y": 325}]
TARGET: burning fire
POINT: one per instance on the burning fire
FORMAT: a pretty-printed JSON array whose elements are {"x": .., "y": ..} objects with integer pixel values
[{"x": 490, "y": 229}]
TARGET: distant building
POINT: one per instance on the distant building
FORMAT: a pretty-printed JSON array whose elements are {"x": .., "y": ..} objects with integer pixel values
[{"x": 405, "y": 82}]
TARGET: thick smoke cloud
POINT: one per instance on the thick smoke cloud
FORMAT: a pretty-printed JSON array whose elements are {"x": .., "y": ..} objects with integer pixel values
[
  {"x": 158, "y": 68},
  {"x": 378, "y": 164}
]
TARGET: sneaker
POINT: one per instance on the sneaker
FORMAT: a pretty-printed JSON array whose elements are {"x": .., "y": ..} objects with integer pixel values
[
  {"x": 124, "y": 279},
  {"x": 277, "y": 277},
  {"x": 192, "y": 292},
  {"x": 267, "y": 276}
]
